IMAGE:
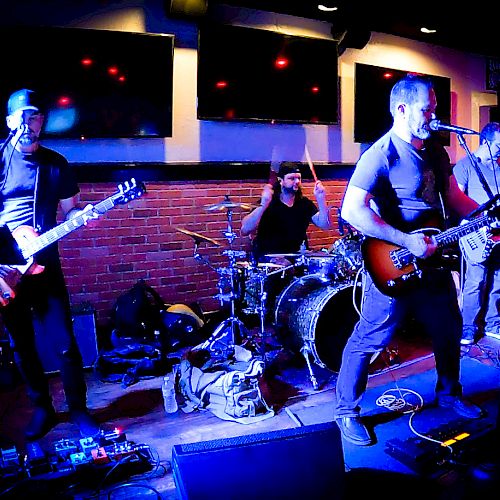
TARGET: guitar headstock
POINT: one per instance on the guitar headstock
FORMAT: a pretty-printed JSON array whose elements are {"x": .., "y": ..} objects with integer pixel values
[{"x": 129, "y": 190}]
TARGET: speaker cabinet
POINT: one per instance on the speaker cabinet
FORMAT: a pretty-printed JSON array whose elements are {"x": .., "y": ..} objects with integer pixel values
[
  {"x": 303, "y": 462},
  {"x": 85, "y": 332}
]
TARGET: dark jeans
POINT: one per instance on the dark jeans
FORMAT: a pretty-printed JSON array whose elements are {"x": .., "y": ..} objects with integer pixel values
[
  {"x": 42, "y": 305},
  {"x": 433, "y": 303}
]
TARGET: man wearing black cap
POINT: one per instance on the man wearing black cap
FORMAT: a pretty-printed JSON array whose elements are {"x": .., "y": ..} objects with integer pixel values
[
  {"x": 283, "y": 217},
  {"x": 34, "y": 182},
  {"x": 281, "y": 221}
]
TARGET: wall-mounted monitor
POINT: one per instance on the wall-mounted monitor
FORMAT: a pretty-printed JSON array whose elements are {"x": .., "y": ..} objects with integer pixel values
[
  {"x": 372, "y": 88},
  {"x": 250, "y": 74},
  {"x": 96, "y": 83}
]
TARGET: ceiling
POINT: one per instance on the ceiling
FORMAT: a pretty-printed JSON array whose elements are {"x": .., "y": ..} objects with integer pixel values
[{"x": 471, "y": 29}]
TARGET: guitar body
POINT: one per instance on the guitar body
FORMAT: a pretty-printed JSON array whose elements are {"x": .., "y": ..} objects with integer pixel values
[
  {"x": 391, "y": 267},
  {"x": 24, "y": 235}
]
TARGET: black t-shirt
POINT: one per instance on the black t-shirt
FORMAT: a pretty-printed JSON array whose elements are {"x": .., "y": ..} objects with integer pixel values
[
  {"x": 282, "y": 229},
  {"x": 19, "y": 175}
]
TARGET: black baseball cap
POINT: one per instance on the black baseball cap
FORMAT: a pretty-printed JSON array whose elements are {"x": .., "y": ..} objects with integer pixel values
[
  {"x": 288, "y": 167},
  {"x": 23, "y": 99}
]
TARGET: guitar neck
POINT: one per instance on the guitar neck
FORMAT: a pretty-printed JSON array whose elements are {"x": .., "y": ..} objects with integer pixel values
[
  {"x": 58, "y": 232},
  {"x": 455, "y": 233}
]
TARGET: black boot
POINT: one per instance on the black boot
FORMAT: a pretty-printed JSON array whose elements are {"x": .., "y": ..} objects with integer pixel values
[
  {"x": 86, "y": 423},
  {"x": 43, "y": 420}
]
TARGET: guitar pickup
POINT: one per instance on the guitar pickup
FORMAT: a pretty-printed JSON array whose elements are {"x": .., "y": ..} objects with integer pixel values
[{"x": 401, "y": 258}]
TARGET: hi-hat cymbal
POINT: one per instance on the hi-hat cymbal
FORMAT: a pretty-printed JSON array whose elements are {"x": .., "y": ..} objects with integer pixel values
[
  {"x": 197, "y": 237},
  {"x": 227, "y": 204}
]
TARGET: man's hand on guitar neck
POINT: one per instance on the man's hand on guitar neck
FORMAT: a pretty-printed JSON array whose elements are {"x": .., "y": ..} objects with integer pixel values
[
  {"x": 420, "y": 244},
  {"x": 88, "y": 213}
]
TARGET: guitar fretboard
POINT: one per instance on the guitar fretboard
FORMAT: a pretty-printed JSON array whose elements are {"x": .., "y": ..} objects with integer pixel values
[
  {"x": 58, "y": 232},
  {"x": 451, "y": 235}
]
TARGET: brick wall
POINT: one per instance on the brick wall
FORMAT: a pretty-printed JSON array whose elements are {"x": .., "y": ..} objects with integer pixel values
[{"x": 139, "y": 240}]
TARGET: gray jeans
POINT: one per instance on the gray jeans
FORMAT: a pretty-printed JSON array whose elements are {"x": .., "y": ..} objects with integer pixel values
[{"x": 481, "y": 295}]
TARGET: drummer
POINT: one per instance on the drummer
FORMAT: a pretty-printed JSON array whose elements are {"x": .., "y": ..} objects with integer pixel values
[{"x": 279, "y": 224}]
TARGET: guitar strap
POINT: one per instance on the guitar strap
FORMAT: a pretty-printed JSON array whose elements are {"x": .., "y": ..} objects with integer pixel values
[{"x": 480, "y": 174}]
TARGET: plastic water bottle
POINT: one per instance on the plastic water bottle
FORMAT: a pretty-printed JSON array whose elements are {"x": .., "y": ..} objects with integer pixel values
[{"x": 168, "y": 390}]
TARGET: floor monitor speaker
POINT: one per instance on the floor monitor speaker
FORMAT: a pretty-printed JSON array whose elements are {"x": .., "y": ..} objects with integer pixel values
[{"x": 303, "y": 462}]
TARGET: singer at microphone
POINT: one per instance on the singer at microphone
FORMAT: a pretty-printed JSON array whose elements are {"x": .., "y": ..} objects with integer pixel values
[{"x": 437, "y": 126}]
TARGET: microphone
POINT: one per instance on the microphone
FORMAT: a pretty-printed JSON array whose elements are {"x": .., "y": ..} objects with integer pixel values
[{"x": 436, "y": 125}]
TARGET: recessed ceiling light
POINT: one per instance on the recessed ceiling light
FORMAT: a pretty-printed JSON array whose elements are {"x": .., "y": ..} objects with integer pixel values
[
  {"x": 427, "y": 30},
  {"x": 325, "y": 8}
]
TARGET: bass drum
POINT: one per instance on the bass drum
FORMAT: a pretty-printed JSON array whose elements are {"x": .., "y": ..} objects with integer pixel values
[{"x": 317, "y": 317}]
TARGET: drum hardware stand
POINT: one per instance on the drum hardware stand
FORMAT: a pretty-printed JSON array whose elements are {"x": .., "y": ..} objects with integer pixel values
[
  {"x": 229, "y": 327},
  {"x": 306, "y": 352}
]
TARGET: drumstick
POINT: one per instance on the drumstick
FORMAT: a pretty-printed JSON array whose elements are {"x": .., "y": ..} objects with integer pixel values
[
  {"x": 311, "y": 166},
  {"x": 275, "y": 166}
]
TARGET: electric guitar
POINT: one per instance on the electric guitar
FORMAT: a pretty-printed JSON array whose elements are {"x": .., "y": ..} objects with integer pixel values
[
  {"x": 394, "y": 269},
  {"x": 29, "y": 242}
]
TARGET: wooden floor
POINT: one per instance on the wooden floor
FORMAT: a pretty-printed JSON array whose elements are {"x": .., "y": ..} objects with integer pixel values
[{"x": 137, "y": 411}]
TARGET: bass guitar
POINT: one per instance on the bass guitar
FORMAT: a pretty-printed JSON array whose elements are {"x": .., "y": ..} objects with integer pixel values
[
  {"x": 477, "y": 246},
  {"x": 394, "y": 269},
  {"x": 29, "y": 242}
]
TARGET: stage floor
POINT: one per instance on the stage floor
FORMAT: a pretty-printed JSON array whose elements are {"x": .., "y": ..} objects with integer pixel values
[{"x": 137, "y": 411}]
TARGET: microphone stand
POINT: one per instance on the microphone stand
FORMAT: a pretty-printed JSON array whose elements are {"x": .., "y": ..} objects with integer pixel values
[
  {"x": 492, "y": 198},
  {"x": 9, "y": 137}
]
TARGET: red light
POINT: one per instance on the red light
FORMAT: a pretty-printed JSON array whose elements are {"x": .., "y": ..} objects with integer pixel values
[
  {"x": 113, "y": 70},
  {"x": 229, "y": 114},
  {"x": 221, "y": 84},
  {"x": 121, "y": 78},
  {"x": 315, "y": 89},
  {"x": 388, "y": 75},
  {"x": 281, "y": 62},
  {"x": 64, "y": 101},
  {"x": 87, "y": 62}
]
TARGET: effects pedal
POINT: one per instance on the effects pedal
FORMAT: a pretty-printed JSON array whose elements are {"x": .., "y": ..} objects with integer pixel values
[
  {"x": 454, "y": 442},
  {"x": 36, "y": 461}
]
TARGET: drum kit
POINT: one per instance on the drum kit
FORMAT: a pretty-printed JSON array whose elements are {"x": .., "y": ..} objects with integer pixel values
[{"x": 315, "y": 310}]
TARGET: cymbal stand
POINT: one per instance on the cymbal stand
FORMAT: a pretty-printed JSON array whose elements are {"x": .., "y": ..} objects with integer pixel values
[{"x": 224, "y": 337}]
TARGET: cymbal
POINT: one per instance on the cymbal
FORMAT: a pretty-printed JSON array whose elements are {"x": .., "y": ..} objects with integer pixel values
[
  {"x": 197, "y": 237},
  {"x": 260, "y": 265},
  {"x": 307, "y": 253},
  {"x": 227, "y": 204},
  {"x": 321, "y": 255},
  {"x": 285, "y": 255}
]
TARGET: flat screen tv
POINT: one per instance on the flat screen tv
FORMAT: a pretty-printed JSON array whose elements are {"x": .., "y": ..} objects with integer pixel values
[
  {"x": 372, "y": 88},
  {"x": 96, "y": 83},
  {"x": 251, "y": 74}
]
